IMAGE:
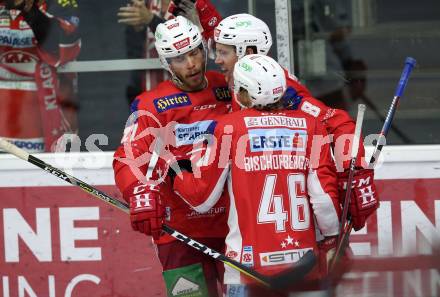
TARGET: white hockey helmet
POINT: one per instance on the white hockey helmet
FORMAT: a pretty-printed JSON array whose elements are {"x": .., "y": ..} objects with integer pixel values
[
  {"x": 243, "y": 30},
  {"x": 262, "y": 77},
  {"x": 176, "y": 37}
]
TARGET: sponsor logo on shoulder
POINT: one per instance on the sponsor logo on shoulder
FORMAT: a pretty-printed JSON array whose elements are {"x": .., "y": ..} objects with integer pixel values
[
  {"x": 171, "y": 101},
  {"x": 191, "y": 133},
  {"x": 184, "y": 286},
  {"x": 247, "y": 257},
  {"x": 282, "y": 257},
  {"x": 275, "y": 121},
  {"x": 222, "y": 94},
  {"x": 277, "y": 139}
]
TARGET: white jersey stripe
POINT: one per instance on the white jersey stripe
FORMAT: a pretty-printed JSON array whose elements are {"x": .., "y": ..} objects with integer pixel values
[
  {"x": 234, "y": 240},
  {"x": 322, "y": 205}
]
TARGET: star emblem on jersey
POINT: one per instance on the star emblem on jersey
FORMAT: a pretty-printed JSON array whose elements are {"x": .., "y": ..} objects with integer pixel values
[{"x": 289, "y": 241}]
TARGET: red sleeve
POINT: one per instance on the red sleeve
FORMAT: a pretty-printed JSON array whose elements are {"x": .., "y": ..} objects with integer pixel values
[
  {"x": 338, "y": 123},
  {"x": 137, "y": 158},
  {"x": 202, "y": 189},
  {"x": 322, "y": 186}
]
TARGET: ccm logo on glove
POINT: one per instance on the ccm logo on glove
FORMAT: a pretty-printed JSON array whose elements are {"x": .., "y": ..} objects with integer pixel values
[
  {"x": 363, "y": 200},
  {"x": 146, "y": 210}
]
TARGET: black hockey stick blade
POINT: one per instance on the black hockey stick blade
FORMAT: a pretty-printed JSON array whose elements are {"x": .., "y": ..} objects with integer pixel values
[{"x": 294, "y": 275}]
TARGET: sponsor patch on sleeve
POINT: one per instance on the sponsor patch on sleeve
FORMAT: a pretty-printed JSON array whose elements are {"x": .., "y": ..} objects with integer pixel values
[
  {"x": 247, "y": 257},
  {"x": 222, "y": 94},
  {"x": 172, "y": 101}
]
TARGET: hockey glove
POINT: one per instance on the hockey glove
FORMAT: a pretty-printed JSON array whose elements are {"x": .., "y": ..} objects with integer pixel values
[
  {"x": 363, "y": 199},
  {"x": 327, "y": 250},
  {"x": 146, "y": 209}
]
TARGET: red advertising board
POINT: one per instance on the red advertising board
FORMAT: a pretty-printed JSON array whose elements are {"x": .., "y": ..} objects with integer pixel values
[{"x": 59, "y": 241}]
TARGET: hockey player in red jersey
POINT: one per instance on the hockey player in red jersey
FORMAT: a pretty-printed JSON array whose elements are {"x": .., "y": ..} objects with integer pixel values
[
  {"x": 31, "y": 105},
  {"x": 168, "y": 121},
  {"x": 242, "y": 34},
  {"x": 280, "y": 175}
]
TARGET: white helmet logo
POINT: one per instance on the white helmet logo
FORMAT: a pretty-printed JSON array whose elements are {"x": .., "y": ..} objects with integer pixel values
[{"x": 181, "y": 44}]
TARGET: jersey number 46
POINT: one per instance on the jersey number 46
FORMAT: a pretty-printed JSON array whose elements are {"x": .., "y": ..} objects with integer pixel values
[{"x": 271, "y": 209}]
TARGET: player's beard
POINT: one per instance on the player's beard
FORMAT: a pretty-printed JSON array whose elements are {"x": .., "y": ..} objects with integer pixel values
[{"x": 194, "y": 81}]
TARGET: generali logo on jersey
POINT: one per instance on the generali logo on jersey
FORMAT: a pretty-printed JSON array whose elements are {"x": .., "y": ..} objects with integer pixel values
[{"x": 181, "y": 44}]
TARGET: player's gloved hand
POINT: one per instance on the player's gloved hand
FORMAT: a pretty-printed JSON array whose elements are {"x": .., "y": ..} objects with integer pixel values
[
  {"x": 326, "y": 251},
  {"x": 363, "y": 200},
  {"x": 146, "y": 210}
]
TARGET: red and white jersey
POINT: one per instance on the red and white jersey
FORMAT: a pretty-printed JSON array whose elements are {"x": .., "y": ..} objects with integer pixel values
[
  {"x": 337, "y": 122},
  {"x": 28, "y": 99},
  {"x": 277, "y": 183},
  {"x": 178, "y": 120}
]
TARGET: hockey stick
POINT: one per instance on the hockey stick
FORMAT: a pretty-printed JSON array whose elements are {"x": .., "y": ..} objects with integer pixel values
[
  {"x": 409, "y": 65},
  {"x": 354, "y": 153},
  {"x": 277, "y": 282}
]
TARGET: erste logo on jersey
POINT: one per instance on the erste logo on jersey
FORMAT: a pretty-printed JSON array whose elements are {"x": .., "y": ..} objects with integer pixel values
[
  {"x": 191, "y": 133},
  {"x": 171, "y": 101},
  {"x": 282, "y": 257},
  {"x": 222, "y": 94},
  {"x": 277, "y": 139}
]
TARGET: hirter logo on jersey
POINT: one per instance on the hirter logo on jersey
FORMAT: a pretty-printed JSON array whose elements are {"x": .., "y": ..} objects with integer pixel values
[
  {"x": 181, "y": 44},
  {"x": 173, "y": 101}
]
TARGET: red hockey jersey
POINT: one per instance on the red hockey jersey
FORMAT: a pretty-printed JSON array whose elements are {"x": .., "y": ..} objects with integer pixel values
[
  {"x": 29, "y": 108},
  {"x": 277, "y": 182},
  {"x": 179, "y": 120},
  {"x": 337, "y": 122}
]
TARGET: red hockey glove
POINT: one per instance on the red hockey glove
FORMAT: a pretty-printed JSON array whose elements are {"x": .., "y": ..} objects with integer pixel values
[
  {"x": 327, "y": 249},
  {"x": 363, "y": 199},
  {"x": 146, "y": 210},
  {"x": 201, "y": 12},
  {"x": 209, "y": 17}
]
